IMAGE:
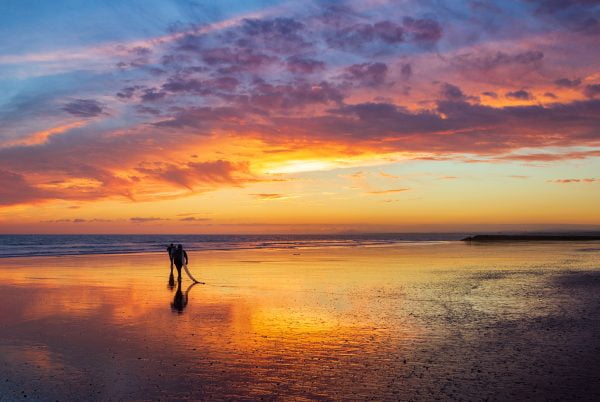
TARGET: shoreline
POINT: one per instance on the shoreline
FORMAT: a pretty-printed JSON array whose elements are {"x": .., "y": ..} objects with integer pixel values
[{"x": 274, "y": 248}]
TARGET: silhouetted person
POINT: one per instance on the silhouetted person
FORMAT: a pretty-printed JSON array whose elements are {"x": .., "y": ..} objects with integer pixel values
[
  {"x": 170, "y": 250},
  {"x": 180, "y": 257}
]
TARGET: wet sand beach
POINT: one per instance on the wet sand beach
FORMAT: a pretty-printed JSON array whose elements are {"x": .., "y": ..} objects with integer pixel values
[{"x": 406, "y": 322}]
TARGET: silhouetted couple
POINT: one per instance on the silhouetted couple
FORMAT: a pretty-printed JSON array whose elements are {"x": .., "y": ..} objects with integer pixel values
[{"x": 179, "y": 257}]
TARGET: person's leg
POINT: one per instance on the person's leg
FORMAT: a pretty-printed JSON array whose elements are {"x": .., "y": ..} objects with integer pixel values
[{"x": 178, "y": 266}]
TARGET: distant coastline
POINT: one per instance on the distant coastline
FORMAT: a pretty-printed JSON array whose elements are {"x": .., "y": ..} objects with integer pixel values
[{"x": 536, "y": 237}]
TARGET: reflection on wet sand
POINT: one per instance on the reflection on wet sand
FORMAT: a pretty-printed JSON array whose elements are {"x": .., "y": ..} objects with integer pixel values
[
  {"x": 180, "y": 300},
  {"x": 437, "y": 321},
  {"x": 171, "y": 283}
]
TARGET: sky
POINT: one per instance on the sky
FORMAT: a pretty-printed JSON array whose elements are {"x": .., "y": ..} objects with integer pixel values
[{"x": 247, "y": 116}]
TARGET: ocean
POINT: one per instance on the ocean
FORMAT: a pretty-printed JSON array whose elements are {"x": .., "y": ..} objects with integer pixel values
[{"x": 59, "y": 245}]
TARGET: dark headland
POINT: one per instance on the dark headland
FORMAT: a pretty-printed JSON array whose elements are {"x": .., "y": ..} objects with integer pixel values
[{"x": 532, "y": 237}]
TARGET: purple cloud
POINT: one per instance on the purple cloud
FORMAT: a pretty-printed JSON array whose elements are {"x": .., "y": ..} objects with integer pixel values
[
  {"x": 520, "y": 94},
  {"x": 474, "y": 128},
  {"x": 452, "y": 92},
  {"x": 359, "y": 35},
  {"x": 14, "y": 189},
  {"x": 301, "y": 65},
  {"x": 84, "y": 108},
  {"x": 592, "y": 90},
  {"x": 145, "y": 219},
  {"x": 489, "y": 61},
  {"x": 279, "y": 35},
  {"x": 367, "y": 74},
  {"x": 128, "y": 92},
  {"x": 568, "y": 83},
  {"x": 290, "y": 96},
  {"x": 406, "y": 71},
  {"x": 278, "y": 27},
  {"x": 388, "y": 32},
  {"x": 151, "y": 95},
  {"x": 423, "y": 30},
  {"x": 236, "y": 59},
  {"x": 204, "y": 87}
]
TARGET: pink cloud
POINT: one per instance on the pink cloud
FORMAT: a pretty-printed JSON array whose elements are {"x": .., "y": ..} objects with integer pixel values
[{"x": 566, "y": 181}]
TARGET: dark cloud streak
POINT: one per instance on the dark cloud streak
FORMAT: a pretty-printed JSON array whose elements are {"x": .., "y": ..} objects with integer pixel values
[{"x": 84, "y": 108}]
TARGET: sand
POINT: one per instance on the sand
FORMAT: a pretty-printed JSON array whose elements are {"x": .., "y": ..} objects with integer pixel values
[{"x": 443, "y": 321}]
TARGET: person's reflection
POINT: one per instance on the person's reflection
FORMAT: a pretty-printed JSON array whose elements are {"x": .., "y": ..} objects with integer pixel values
[
  {"x": 171, "y": 285},
  {"x": 180, "y": 300}
]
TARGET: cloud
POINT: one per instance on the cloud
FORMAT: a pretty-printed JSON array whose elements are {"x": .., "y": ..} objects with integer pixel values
[
  {"x": 151, "y": 95},
  {"x": 42, "y": 136},
  {"x": 281, "y": 34},
  {"x": 194, "y": 219},
  {"x": 193, "y": 174},
  {"x": 14, "y": 189},
  {"x": 568, "y": 83},
  {"x": 302, "y": 65},
  {"x": 390, "y": 191},
  {"x": 485, "y": 60},
  {"x": 589, "y": 26},
  {"x": 389, "y": 176},
  {"x": 270, "y": 196},
  {"x": 592, "y": 90},
  {"x": 145, "y": 219},
  {"x": 96, "y": 165},
  {"x": 128, "y": 92},
  {"x": 466, "y": 128},
  {"x": 567, "y": 181},
  {"x": 520, "y": 94},
  {"x": 547, "y": 157},
  {"x": 406, "y": 71},
  {"x": 452, "y": 92},
  {"x": 147, "y": 110},
  {"x": 203, "y": 118},
  {"x": 359, "y": 35},
  {"x": 291, "y": 96},
  {"x": 422, "y": 30},
  {"x": 575, "y": 15},
  {"x": 295, "y": 80},
  {"x": 276, "y": 27},
  {"x": 223, "y": 84},
  {"x": 77, "y": 220},
  {"x": 232, "y": 60},
  {"x": 367, "y": 74},
  {"x": 84, "y": 108}
]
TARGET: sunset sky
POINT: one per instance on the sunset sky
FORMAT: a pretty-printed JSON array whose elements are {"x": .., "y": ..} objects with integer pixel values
[{"x": 180, "y": 116}]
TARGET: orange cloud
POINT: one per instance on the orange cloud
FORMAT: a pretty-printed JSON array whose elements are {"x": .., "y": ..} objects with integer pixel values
[
  {"x": 394, "y": 190},
  {"x": 270, "y": 196},
  {"x": 42, "y": 136}
]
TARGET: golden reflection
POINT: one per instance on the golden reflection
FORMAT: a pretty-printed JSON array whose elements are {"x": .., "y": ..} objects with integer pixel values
[{"x": 304, "y": 318}]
